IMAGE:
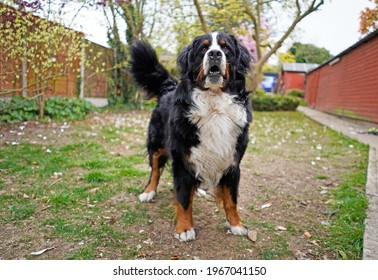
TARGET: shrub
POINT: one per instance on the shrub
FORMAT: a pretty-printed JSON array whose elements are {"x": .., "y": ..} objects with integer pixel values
[
  {"x": 274, "y": 103},
  {"x": 20, "y": 110},
  {"x": 57, "y": 108},
  {"x": 259, "y": 92},
  {"x": 296, "y": 93}
]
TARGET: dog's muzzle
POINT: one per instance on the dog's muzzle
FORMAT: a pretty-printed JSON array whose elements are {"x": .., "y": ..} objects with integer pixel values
[{"x": 214, "y": 68}]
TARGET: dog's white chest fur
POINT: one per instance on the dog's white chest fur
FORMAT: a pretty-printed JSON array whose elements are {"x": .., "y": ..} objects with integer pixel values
[{"x": 219, "y": 120}]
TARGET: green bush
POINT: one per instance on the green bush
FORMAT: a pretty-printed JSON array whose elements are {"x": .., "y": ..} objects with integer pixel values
[
  {"x": 56, "y": 108},
  {"x": 296, "y": 93},
  {"x": 274, "y": 103},
  {"x": 20, "y": 110}
]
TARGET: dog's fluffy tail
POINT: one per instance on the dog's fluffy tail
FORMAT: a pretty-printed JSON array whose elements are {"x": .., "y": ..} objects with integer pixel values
[{"x": 148, "y": 73}]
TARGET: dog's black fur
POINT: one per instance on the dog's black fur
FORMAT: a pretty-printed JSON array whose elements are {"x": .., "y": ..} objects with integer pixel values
[{"x": 170, "y": 128}]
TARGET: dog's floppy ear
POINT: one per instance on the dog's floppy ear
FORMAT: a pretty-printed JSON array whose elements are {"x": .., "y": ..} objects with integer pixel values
[
  {"x": 243, "y": 58},
  {"x": 183, "y": 60}
]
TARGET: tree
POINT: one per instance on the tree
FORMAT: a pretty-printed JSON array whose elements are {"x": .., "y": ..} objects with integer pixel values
[
  {"x": 287, "y": 57},
  {"x": 35, "y": 51},
  {"x": 369, "y": 19},
  {"x": 139, "y": 17},
  {"x": 309, "y": 53},
  {"x": 259, "y": 18}
]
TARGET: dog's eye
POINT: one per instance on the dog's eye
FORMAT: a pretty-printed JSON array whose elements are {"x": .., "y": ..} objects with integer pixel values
[
  {"x": 224, "y": 48},
  {"x": 204, "y": 49}
]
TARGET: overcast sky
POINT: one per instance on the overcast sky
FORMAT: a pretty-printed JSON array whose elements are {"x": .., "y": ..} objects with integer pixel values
[{"x": 334, "y": 27}]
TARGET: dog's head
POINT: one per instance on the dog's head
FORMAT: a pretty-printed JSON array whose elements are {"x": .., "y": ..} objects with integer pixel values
[{"x": 214, "y": 60}]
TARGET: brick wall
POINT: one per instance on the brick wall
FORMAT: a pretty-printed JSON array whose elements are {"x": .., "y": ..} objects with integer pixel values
[{"x": 348, "y": 87}]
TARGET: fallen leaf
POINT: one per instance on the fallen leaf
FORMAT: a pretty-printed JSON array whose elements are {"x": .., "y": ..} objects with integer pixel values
[
  {"x": 301, "y": 255},
  {"x": 175, "y": 258},
  {"x": 148, "y": 241},
  {"x": 40, "y": 252},
  {"x": 93, "y": 190},
  {"x": 252, "y": 235}
]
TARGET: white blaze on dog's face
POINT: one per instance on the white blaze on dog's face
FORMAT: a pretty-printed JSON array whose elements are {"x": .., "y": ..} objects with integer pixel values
[
  {"x": 214, "y": 64},
  {"x": 214, "y": 61}
]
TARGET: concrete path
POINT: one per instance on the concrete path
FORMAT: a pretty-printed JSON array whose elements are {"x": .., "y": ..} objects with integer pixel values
[
  {"x": 357, "y": 130},
  {"x": 98, "y": 102}
]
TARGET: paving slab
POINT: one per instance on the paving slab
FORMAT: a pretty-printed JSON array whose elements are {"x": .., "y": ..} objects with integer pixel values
[{"x": 358, "y": 130}]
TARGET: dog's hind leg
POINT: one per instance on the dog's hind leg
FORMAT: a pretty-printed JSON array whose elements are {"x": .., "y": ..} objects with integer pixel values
[
  {"x": 157, "y": 161},
  {"x": 227, "y": 193}
]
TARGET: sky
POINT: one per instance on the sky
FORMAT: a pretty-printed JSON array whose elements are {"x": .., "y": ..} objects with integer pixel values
[{"x": 334, "y": 26}]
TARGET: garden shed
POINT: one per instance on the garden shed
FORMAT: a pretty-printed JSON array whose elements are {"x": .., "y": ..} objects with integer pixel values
[
  {"x": 347, "y": 84},
  {"x": 292, "y": 76}
]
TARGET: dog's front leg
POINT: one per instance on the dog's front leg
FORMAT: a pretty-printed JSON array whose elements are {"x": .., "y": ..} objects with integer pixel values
[
  {"x": 185, "y": 186},
  {"x": 227, "y": 193}
]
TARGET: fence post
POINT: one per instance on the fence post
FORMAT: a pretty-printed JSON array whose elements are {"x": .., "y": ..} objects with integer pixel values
[{"x": 82, "y": 71}]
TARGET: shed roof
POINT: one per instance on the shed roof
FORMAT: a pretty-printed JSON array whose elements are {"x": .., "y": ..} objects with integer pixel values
[{"x": 298, "y": 67}]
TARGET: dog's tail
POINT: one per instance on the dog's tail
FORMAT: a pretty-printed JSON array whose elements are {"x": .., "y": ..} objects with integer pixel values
[{"x": 148, "y": 73}]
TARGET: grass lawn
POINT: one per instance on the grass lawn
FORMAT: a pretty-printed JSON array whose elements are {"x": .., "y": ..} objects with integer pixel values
[{"x": 73, "y": 187}]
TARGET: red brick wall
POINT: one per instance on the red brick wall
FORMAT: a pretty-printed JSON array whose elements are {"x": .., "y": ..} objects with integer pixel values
[
  {"x": 293, "y": 80},
  {"x": 349, "y": 87}
]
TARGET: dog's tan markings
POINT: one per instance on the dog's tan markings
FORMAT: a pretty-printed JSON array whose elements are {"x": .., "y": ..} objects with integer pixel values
[
  {"x": 201, "y": 73},
  {"x": 222, "y": 42},
  {"x": 184, "y": 217},
  {"x": 230, "y": 207},
  {"x": 206, "y": 42},
  {"x": 227, "y": 71},
  {"x": 155, "y": 172}
]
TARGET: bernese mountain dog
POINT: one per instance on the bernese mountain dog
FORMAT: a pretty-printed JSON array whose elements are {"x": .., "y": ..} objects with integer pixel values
[{"x": 200, "y": 123}]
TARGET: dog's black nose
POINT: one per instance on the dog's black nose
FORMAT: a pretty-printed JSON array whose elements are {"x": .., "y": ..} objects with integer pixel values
[{"x": 215, "y": 54}]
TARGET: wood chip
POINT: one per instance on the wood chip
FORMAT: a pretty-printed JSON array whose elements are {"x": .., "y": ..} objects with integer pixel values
[
  {"x": 93, "y": 190},
  {"x": 307, "y": 234},
  {"x": 40, "y": 252},
  {"x": 281, "y": 228},
  {"x": 266, "y": 205}
]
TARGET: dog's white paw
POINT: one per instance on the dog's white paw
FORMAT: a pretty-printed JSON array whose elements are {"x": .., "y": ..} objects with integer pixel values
[
  {"x": 186, "y": 235},
  {"x": 237, "y": 230},
  {"x": 201, "y": 192},
  {"x": 147, "y": 197}
]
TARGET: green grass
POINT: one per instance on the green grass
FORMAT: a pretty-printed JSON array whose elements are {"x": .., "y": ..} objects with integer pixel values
[
  {"x": 345, "y": 236},
  {"x": 278, "y": 249}
]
